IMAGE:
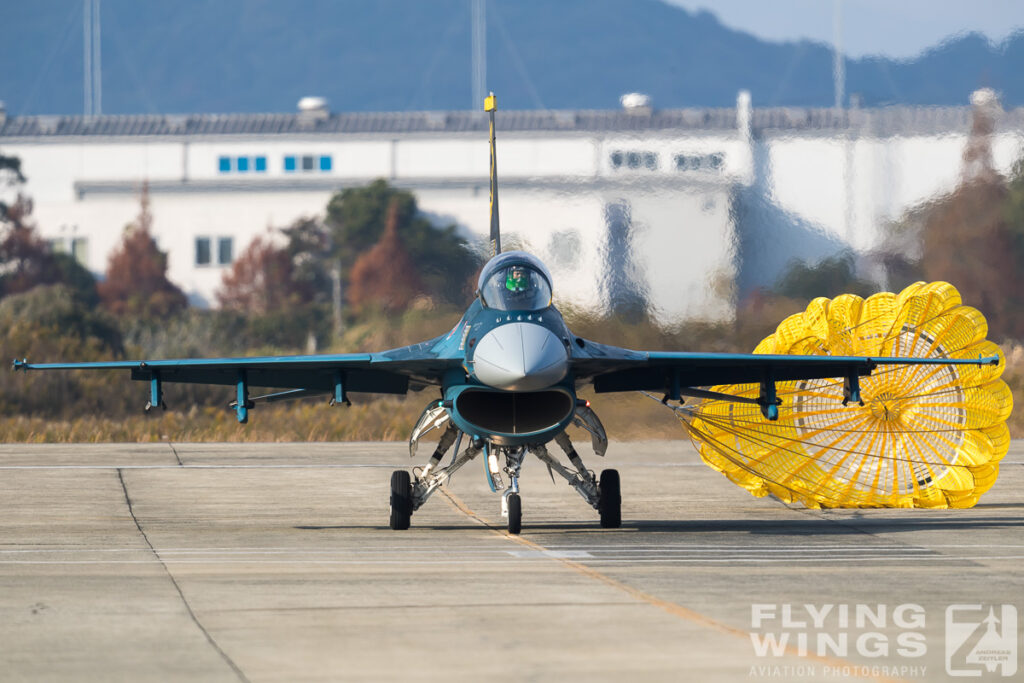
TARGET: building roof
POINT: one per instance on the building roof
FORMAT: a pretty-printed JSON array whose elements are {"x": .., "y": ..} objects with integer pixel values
[{"x": 881, "y": 121}]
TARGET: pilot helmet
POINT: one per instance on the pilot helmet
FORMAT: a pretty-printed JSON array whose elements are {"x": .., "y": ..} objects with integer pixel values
[{"x": 517, "y": 280}]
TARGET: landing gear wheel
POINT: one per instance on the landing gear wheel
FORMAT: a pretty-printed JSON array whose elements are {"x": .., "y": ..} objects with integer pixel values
[
  {"x": 401, "y": 500},
  {"x": 515, "y": 513},
  {"x": 609, "y": 504}
]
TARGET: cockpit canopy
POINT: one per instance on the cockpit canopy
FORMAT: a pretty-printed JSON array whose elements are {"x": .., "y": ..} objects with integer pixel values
[{"x": 515, "y": 281}]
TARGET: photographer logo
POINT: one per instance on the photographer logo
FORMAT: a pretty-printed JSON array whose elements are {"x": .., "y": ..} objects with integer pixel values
[{"x": 981, "y": 639}]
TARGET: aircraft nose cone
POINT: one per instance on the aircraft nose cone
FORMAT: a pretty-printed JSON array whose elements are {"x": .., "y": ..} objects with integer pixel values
[{"x": 520, "y": 357}]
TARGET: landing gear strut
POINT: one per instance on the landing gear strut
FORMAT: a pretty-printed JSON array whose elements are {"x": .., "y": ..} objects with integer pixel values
[
  {"x": 409, "y": 493},
  {"x": 511, "y": 503}
]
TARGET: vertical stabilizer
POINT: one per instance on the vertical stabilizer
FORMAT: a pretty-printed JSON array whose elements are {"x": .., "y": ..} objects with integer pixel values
[{"x": 490, "y": 105}]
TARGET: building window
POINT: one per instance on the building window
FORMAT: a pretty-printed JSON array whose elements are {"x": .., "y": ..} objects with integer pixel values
[
  {"x": 306, "y": 163},
  {"x": 77, "y": 247},
  {"x": 80, "y": 250},
  {"x": 699, "y": 162},
  {"x": 634, "y": 160},
  {"x": 202, "y": 251},
  {"x": 225, "y": 250},
  {"x": 248, "y": 163}
]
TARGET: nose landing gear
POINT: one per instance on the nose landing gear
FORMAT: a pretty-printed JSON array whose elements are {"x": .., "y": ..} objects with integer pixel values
[
  {"x": 511, "y": 503},
  {"x": 513, "y": 506}
]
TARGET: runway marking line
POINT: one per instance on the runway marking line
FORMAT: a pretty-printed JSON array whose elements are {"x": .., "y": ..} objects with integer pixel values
[{"x": 672, "y": 608}]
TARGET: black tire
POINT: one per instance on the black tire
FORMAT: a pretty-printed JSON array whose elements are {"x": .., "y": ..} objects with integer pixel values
[
  {"x": 609, "y": 503},
  {"x": 401, "y": 500},
  {"x": 515, "y": 513}
]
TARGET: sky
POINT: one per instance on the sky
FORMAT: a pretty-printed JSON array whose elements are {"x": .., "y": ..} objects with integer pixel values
[{"x": 895, "y": 28}]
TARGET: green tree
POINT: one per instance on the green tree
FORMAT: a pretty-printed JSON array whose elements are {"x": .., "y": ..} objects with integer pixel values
[
  {"x": 308, "y": 249},
  {"x": 356, "y": 218},
  {"x": 10, "y": 176},
  {"x": 831, "y": 277},
  {"x": 26, "y": 260},
  {"x": 1013, "y": 213},
  {"x": 49, "y": 322}
]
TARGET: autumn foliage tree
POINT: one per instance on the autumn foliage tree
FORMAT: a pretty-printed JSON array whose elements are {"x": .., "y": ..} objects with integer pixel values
[
  {"x": 356, "y": 219},
  {"x": 260, "y": 280},
  {"x": 25, "y": 256},
  {"x": 973, "y": 237},
  {"x": 282, "y": 289},
  {"x": 136, "y": 282},
  {"x": 385, "y": 276},
  {"x": 967, "y": 241},
  {"x": 25, "y": 260}
]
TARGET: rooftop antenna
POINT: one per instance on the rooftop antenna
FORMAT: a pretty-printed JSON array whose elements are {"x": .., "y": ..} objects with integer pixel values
[
  {"x": 479, "y": 19},
  {"x": 838, "y": 63},
  {"x": 490, "y": 105},
  {"x": 92, "y": 66}
]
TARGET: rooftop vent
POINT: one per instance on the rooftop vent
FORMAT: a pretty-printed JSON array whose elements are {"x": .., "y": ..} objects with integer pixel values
[
  {"x": 984, "y": 97},
  {"x": 636, "y": 103},
  {"x": 176, "y": 123},
  {"x": 435, "y": 120},
  {"x": 47, "y": 124},
  {"x": 313, "y": 109}
]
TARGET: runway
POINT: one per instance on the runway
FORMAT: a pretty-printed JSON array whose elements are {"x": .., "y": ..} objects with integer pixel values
[{"x": 274, "y": 562}]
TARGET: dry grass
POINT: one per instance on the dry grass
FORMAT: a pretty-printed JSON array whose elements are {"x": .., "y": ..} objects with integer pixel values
[
  {"x": 1014, "y": 377},
  {"x": 383, "y": 419},
  {"x": 629, "y": 416}
]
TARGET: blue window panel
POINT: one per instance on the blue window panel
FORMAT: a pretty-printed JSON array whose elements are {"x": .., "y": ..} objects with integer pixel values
[
  {"x": 243, "y": 164},
  {"x": 224, "y": 164},
  {"x": 289, "y": 163},
  {"x": 225, "y": 250},
  {"x": 202, "y": 251},
  {"x": 261, "y": 164},
  {"x": 325, "y": 163}
]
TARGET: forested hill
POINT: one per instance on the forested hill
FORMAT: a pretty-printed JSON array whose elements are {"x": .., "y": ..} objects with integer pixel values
[{"x": 263, "y": 55}]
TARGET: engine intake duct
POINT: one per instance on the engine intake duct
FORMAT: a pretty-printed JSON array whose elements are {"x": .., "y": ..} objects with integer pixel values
[{"x": 505, "y": 412}]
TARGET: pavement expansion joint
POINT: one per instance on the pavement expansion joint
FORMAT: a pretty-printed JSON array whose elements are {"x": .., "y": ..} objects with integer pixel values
[{"x": 213, "y": 643}]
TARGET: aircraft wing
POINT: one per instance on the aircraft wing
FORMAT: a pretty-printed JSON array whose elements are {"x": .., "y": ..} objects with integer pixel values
[
  {"x": 611, "y": 368},
  {"x": 390, "y": 372}
]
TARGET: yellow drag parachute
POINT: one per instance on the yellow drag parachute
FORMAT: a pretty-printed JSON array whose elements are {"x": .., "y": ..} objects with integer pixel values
[{"x": 926, "y": 436}]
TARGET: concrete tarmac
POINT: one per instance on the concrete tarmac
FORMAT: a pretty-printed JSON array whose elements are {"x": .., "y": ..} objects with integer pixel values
[{"x": 274, "y": 562}]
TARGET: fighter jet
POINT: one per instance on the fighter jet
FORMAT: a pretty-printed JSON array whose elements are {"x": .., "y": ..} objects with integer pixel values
[{"x": 506, "y": 377}]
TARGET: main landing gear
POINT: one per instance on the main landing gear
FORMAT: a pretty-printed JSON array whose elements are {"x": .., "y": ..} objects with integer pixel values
[{"x": 409, "y": 493}]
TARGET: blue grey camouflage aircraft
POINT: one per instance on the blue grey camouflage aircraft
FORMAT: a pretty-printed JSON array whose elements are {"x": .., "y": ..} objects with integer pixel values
[{"x": 507, "y": 376}]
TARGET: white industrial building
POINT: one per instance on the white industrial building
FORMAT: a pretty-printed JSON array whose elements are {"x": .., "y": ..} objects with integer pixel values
[{"x": 680, "y": 208}]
